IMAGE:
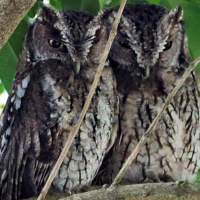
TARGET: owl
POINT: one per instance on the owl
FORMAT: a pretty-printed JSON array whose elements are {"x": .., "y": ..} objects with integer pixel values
[
  {"x": 52, "y": 82},
  {"x": 149, "y": 54}
]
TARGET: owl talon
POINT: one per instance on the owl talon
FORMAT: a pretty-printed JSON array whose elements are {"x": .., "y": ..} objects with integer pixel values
[
  {"x": 105, "y": 186},
  {"x": 182, "y": 182}
]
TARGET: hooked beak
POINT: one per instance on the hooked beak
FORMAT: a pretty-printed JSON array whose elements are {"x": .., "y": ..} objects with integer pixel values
[
  {"x": 77, "y": 67},
  {"x": 147, "y": 71}
]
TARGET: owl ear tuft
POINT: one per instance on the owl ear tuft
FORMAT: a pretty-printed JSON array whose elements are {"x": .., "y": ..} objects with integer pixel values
[
  {"x": 174, "y": 17},
  {"x": 103, "y": 19},
  {"x": 48, "y": 14},
  {"x": 170, "y": 23},
  {"x": 176, "y": 14}
]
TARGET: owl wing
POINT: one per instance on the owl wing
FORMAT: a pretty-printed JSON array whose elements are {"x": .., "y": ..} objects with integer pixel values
[{"x": 29, "y": 132}]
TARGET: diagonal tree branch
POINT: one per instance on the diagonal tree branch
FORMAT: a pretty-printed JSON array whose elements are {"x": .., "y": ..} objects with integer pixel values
[
  {"x": 11, "y": 13},
  {"x": 148, "y": 133},
  {"x": 73, "y": 133}
]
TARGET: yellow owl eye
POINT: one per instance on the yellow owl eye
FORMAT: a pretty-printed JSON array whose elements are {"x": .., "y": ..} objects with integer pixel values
[
  {"x": 168, "y": 46},
  {"x": 55, "y": 44}
]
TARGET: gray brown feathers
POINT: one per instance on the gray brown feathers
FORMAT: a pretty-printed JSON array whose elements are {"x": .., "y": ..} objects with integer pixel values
[
  {"x": 148, "y": 56},
  {"x": 50, "y": 88}
]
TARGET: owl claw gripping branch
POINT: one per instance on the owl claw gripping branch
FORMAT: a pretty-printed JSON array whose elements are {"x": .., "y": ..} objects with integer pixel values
[{"x": 54, "y": 76}]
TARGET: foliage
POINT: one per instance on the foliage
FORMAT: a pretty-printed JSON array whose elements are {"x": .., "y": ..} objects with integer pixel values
[{"x": 10, "y": 53}]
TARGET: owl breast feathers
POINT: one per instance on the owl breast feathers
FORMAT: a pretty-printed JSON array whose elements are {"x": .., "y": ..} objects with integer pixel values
[
  {"x": 52, "y": 82},
  {"x": 149, "y": 54}
]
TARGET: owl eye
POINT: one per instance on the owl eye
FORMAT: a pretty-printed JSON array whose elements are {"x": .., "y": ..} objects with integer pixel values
[
  {"x": 123, "y": 44},
  {"x": 168, "y": 46},
  {"x": 96, "y": 40},
  {"x": 55, "y": 44}
]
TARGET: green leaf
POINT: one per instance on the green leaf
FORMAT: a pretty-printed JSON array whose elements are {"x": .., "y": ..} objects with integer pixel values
[
  {"x": 136, "y": 1},
  {"x": 34, "y": 9},
  {"x": 8, "y": 60},
  {"x": 91, "y": 6},
  {"x": 113, "y": 3},
  {"x": 58, "y": 4},
  {"x": 102, "y": 3},
  {"x": 154, "y": 1},
  {"x": 1, "y": 88},
  {"x": 72, "y": 4},
  {"x": 166, "y": 4}
]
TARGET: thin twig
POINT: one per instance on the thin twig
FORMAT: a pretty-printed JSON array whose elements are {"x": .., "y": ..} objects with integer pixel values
[
  {"x": 87, "y": 103},
  {"x": 148, "y": 133}
]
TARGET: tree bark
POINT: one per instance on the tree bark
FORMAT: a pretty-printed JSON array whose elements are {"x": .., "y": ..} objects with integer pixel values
[
  {"x": 148, "y": 191},
  {"x": 11, "y": 13}
]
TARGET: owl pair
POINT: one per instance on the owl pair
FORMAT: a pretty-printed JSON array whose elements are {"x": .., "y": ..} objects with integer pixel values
[{"x": 55, "y": 73}]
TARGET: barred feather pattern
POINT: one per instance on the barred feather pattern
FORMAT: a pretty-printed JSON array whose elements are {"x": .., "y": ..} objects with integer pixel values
[
  {"x": 172, "y": 152},
  {"x": 52, "y": 82},
  {"x": 152, "y": 58}
]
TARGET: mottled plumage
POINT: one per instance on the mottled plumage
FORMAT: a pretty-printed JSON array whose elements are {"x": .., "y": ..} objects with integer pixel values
[
  {"x": 51, "y": 85},
  {"x": 149, "y": 55}
]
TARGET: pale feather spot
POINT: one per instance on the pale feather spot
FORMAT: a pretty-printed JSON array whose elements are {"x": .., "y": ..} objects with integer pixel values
[
  {"x": 66, "y": 160},
  {"x": 25, "y": 81},
  {"x": 8, "y": 131},
  {"x": 8, "y": 117},
  {"x": 3, "y": 175},
  {"x": 82, "y": 165},
  {"x": 11, "y": 109},
  {"x": 54, "y": 115},
  {"x": 12, "y": 99},
  {"x": 107, "y": 64},
  {"x": 63, "y": 174},
  {"x": 17, "y": 103},
  {"x": 49, "y": 133},
  {"x": 69, "y": 185},
  {"x": 74, "y": 175},
  {"x": 40, "y": 19},
  {"x": 20, "y": 91},
  {"x": 83, "y": 136},
  {"x": 73, "y": 166},
  {"x": 3, "y": 141}
]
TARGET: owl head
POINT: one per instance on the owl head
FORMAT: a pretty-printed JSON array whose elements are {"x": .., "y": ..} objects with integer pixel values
[
  {"x": 58, "y": 35},
  {"x": 149, "y": 37}
]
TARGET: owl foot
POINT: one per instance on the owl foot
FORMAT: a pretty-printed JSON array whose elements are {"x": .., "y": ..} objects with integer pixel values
[
  {"x": 182, "y": 182},
  {"x": 151, "y": 177}
]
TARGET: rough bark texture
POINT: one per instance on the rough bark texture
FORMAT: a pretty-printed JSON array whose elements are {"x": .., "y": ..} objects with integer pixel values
[
  {"x": 11, "y": 13},
  {"x": 149, "y": 191}
]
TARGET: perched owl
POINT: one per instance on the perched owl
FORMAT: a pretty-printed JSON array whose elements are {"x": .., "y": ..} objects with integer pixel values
[
  {"x": 149, "y": 54},
  {"x": 52, "y": 82}
]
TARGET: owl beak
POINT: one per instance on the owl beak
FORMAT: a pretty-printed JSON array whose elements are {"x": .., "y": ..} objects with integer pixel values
[
  {"x": 77, "y": 67},
  {"x": 147, "y": 71}
]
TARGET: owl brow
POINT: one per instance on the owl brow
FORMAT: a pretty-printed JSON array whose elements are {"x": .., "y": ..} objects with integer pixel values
[
  {"x": 66, "y": 42},
  {"x": 89, "y": 38}
]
